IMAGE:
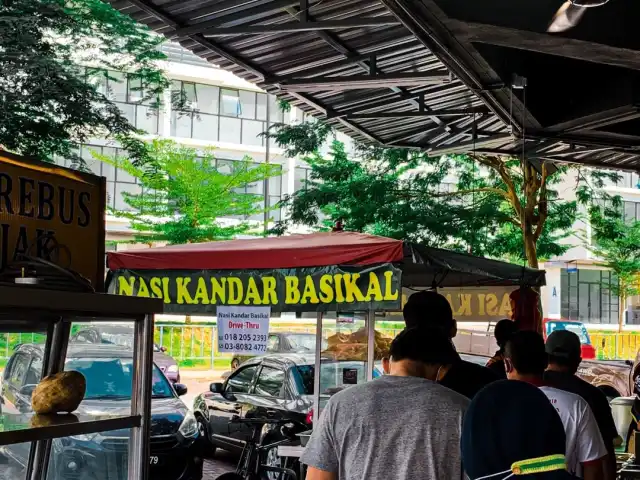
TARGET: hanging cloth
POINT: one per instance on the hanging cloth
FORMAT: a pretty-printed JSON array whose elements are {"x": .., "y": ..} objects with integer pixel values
[{"x": 525, "y": 311}]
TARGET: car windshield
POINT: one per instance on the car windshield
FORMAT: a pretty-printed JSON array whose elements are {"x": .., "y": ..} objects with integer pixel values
[
  {"x": 306, "y": 341},
  {"x": 332, "y": 376},
  {"x": 112, "y": 378},
  {"x": 576, "y": 328},
  {"x": 122, "y": 339}
]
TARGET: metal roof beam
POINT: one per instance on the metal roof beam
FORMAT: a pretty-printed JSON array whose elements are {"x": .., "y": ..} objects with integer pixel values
[
  {"x": 201, "y": 27},
  {"x": 440, "y": 113},
  {"x": 293, "y": 27},
  {"x": 337, "y": 45},
  {"x": 469, "y": 145},
  {"x": 561, "y": 46},
  {"x": 354, "y": 82},
  {"x": 248, "y": 66}
]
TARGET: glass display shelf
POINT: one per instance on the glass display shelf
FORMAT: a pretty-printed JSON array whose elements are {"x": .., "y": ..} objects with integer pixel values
[{"x": 29, "y": 427}]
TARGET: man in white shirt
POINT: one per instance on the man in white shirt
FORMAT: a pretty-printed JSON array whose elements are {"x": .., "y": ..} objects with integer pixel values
[{"x": 526, "y": 360}]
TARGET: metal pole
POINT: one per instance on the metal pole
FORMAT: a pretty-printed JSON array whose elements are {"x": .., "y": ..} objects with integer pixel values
[
  {"x": 55, "y": 356},
  {"x": 316, "y": 375},
  {"x": 266, "y": 161},
  {"x": 213, "y": 340},
  {"x": 141, "y": 399},
  {"x": 371, "y": 335}
]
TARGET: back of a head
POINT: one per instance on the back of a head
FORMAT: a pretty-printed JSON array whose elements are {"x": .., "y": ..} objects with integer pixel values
[
  {"x": 503, "y": 331},
  {"x": 526, "y": 352},
  {"x": 510, "y": 421},
  {"x": 564, "y": 349},
  {"x": 426, "y": 345},
  {"x": 428, "y": 309}
]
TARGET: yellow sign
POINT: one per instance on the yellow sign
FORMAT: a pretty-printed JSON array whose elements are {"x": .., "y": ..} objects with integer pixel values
[
  {"x": 474, "y": 304},
  {"x": 53, "y": 213},
  {"x": 305, "y": 289}
]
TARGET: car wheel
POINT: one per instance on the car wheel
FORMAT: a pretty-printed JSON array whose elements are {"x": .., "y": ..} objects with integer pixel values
[
  {"x": 235, "y": 363},
  {"x": 206, "y": 448}
]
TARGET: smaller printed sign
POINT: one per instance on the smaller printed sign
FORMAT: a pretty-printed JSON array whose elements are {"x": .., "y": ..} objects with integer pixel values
[
  {"x": 243, "y": 329},
  {"x": 350, "y": 376}
]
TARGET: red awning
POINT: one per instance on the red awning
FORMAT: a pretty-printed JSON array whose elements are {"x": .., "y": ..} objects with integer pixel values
[{"x": 312, "y": 250}]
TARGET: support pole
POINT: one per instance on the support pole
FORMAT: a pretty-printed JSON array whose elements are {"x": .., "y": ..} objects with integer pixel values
[
  {"x": 141, "y": 398},
  {"x": 316, "y": 374},
  {"x": 371, "y": 345},
  {"x": 266, "y": 161}
]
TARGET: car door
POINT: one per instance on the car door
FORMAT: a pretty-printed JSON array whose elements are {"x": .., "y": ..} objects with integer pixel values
[
  {"x": 225, "y": 406},
  {"x": 269, "y": 395},
  {"x": 13, "y": 401}
]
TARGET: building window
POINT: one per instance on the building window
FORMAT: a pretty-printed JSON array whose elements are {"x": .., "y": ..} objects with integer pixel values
[
  {"x": 230, "y": 103},
  {"x": 130, "y": 97},
  {"x": 586, "y": 296},
  {"x": 301, "y": 176}
]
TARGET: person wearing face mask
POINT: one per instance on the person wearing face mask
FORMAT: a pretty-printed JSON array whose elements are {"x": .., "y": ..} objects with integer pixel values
[
  {"x": 512, "y": 430},
  {"x": 401, "y": 426}
]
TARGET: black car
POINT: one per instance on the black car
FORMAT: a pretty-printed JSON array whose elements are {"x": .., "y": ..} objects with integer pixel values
[
  {"x": 174, "y": 454},
  {"x": 277, "y": 386},
  {"x": 284, "y": 342},
  {"x": 123, "y": 335}
]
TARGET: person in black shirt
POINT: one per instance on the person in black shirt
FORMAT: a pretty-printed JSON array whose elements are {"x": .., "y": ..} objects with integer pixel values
[
  {"x": 430, "y": 309},
  {"x": 563, "y": 349},
  {"x": 503, "y": 331}
]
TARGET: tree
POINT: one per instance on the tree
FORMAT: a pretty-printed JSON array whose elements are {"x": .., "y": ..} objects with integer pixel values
[
  {"x": 497, "y": 207},
  {"x": 185, "y": 196},
  {"x": 48, "y": 103}
]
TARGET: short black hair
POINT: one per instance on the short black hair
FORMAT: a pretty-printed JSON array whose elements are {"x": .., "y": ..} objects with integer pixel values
[
  {"x": 428, "y": 309},
  {"x": 525, "y": 350},
  {"x": 570, "y": 363},
  {"x": 503, "y": 331},
  {"x": 426, "y": 345}
]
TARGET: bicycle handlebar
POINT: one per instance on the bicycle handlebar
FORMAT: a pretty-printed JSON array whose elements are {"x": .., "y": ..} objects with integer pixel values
[{"x": 261, "y": 420}]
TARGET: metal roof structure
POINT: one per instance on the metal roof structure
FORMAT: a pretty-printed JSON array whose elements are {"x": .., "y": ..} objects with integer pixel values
[{"x": 446, "y": 76}]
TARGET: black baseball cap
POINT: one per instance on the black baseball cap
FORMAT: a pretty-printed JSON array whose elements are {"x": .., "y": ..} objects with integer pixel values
[
  {"x": 428, "y": 309},
  {"x": 564, "y": 344}
]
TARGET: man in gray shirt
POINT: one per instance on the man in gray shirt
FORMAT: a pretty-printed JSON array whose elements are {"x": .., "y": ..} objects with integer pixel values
[{"x": 402, "y": 426}]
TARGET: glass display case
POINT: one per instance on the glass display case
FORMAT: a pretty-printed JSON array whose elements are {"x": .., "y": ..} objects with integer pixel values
[{"x": 111, "y": 443}]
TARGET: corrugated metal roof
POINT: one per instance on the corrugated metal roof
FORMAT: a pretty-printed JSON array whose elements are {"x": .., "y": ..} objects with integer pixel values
[{"x": 443, "y": 114}]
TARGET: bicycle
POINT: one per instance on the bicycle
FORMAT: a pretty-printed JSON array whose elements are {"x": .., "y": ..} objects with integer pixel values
[{"x": 250, "y": 466}]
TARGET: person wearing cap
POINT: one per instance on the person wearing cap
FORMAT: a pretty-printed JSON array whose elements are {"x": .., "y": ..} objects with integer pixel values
[
  {"x": 526, "y": 360},
  {"x": 564, "y": 351},
  {"x": 521, "y": 436},
  {"x": 432, "y": 310},
  {"x": 503, "y": 331},
  {"x": 401, "y": 426}
]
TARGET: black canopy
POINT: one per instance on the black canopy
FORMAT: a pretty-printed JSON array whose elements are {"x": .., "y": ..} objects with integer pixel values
[{"x": 434, "y": 267}]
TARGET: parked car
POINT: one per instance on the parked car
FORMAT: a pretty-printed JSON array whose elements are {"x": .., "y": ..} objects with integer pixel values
[
  {"x": 123, "y": 335},
  {"x": 284, "y": 342},
  {"x": 174, "y": 453},
  {"x": 279, "y": 386},
  {"x": 550, "y": 325}
]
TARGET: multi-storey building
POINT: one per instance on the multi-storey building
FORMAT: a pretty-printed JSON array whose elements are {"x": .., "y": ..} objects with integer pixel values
[
  {"x": 224, "y": 112},
  {"x": 578, "y": 287}
]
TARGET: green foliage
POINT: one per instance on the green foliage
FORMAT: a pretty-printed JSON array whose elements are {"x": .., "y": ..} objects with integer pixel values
[
  {"x": 401, "y": 194},
  {"x": 47, "y": 101},
  {"x": 184, "y": 196},
  {"x": 620, "y": 253}
]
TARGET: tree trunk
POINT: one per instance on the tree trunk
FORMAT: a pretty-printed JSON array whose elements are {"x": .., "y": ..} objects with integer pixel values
[
  {"x": 530, "y": 248},
  {"x": 621, "y": 311}
]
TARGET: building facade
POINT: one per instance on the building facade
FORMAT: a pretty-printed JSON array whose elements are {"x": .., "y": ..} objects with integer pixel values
[
  {"x": 578, "y": 288},
  {"x": 225, "y": 112}
]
